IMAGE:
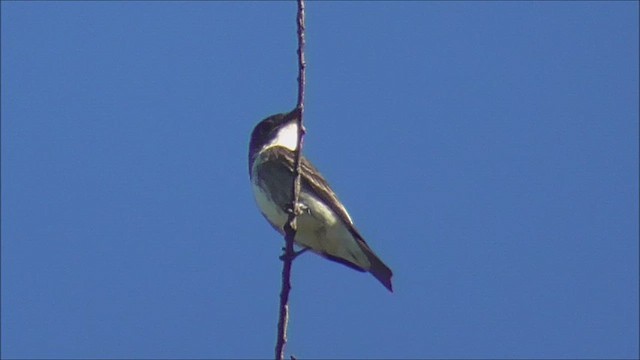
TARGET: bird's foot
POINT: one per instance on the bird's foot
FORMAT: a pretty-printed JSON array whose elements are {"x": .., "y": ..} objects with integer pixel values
[{"x": 301, "y": 209}]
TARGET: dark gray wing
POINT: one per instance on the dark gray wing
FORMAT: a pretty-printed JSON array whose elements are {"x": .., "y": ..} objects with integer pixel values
[{"x": 313, "y": 180}]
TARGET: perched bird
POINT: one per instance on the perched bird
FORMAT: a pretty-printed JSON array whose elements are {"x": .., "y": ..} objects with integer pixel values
[{"x": 324, "y": 226}]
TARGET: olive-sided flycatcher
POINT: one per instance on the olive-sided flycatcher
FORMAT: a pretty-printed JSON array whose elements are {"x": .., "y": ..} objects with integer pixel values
[{"x": 324, "y": 226}]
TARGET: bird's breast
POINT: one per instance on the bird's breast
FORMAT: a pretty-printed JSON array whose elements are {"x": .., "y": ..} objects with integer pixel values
[{"x": 272, "y": 211}]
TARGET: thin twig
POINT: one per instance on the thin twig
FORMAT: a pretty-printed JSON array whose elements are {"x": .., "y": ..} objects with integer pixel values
[{"x": 290, "y": 226}]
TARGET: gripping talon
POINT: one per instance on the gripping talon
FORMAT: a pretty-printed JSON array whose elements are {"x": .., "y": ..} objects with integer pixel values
[{"x": 301, "y": 207}]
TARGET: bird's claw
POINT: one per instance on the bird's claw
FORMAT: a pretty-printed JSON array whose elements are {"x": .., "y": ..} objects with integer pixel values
[{"x": 302, "y": 208}]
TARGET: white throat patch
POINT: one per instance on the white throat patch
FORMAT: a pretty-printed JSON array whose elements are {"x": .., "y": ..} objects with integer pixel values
[{"x": 287, "y": 137}]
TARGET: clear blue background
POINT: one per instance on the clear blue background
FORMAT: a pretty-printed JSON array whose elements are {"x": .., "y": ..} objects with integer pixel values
[{"x": 488, "y": 151}]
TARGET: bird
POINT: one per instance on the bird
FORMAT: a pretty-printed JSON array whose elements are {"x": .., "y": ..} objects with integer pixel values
[{"x": 324, "y": 225}]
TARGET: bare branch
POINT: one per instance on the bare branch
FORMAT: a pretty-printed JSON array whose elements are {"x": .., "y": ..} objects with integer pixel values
[{"x": 290, "y": 226}]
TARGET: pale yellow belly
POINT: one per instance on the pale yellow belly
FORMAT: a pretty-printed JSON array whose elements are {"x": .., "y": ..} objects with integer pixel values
[{"x": 318, "y": 228}]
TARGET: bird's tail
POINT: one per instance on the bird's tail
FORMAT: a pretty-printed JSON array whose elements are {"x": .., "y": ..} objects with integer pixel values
[{"x": 378, "y": 269}]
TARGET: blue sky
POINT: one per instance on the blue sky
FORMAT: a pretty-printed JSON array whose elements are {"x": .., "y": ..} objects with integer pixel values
[{"x": 487, "y": 151}]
